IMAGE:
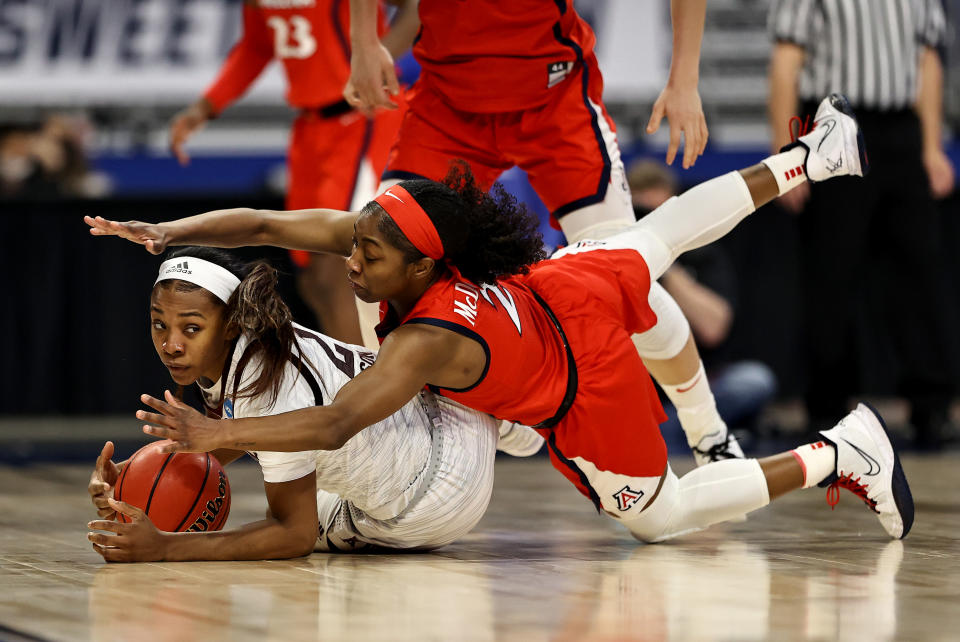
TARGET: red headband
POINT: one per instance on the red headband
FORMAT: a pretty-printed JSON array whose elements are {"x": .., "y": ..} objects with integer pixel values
[{"x": 412, "y": 221}]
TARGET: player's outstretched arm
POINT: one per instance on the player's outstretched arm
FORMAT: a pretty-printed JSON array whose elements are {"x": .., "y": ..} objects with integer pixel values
[
  {"x": 679, "y": 101},
  {"x": 289, "y": 531},
  {"x": 316, "y": 230},
  {"x": 409, "y": 358}
]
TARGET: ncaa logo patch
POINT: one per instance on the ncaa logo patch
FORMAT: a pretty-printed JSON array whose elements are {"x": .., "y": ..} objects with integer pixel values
[{"x": 626, "y": 497}]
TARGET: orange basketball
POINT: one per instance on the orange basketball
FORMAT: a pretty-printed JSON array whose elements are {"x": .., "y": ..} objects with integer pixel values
[{"x": 177, "y": 491}]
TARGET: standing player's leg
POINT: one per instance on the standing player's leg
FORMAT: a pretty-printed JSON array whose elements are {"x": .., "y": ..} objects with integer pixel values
[
  {"x": 569, "y": 150},
  {"x": 325, "y": 161}
]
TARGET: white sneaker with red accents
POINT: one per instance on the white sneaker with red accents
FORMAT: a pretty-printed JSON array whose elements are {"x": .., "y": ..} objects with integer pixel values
[
  {"x": 835, "y": 145},
  {"x": 868, "y": 466}
]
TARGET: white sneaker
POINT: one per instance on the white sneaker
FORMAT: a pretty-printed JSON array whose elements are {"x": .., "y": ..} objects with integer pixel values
[
  {"x": 518, "y": 440},
  {"x": 835, "y": 146},
  {"x": 868, "y": 466},
  {"x": 717, "y": 446}
]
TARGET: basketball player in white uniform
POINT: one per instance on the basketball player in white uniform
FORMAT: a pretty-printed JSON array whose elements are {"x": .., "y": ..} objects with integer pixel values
[{"x": 419, "y": 479}]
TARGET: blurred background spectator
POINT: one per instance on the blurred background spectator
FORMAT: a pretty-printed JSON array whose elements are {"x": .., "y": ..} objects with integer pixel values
[
  {"x": 704, "y": 284},
  {"x": 49, "y": 160}
]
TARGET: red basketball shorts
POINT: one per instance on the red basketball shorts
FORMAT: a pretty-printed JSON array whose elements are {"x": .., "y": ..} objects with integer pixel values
[
  {"x": 565, "y": 145},
  {"x": 610, "y": 438}
]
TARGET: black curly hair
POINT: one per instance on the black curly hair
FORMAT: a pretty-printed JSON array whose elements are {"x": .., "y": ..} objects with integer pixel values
[
  {"x": 256, "y": 309},
  {"x": 485, "y": 235}
]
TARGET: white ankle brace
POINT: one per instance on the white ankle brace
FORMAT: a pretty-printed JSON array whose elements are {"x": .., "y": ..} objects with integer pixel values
[{"x": 787, "y": 168}]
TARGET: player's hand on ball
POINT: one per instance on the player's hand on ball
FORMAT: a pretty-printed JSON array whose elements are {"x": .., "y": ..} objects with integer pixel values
[
  {"x": 189, "y": 430},
  {"x": 102, "y": 479},
  {"x": 151, "y": 236},
  {"x": 136, "y": 541}
]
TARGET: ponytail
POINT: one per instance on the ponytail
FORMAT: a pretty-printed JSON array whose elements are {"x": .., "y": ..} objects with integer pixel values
[{"x": 257, "y": 311}]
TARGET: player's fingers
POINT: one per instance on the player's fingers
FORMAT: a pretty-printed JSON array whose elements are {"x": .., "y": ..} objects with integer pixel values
[
  {"x": 160, "y": 432},
  {"x": 655, "y": 117},
  {"x": 154, "y": 418},
  {"x": 390, "y": 80},
  {"x": 106, "y": 513},
  {"x": 129, "y": 510},
  {"x": 157, "y": 404},
  {"x": 98, "y": 491},
  {"x": 173, "y": 401},
  {"x": 176, "y": 447},
  {"x": 690, "y": 144},
  {"x": 704, "y": 135},
  {"x": 154, "y": 247},
  {"x": 98, "y": 226},
  {"x": 105, "y": 454},
  {"x": 674, "y": 143},
  {"x": 102, "y": 539},
  {"x": 112, "y": 553},
  {"x": 182, "y": 156},
  {"x": 110, "y": 526}
]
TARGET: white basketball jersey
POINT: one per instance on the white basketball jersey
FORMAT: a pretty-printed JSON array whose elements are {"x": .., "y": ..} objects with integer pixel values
[{"x": 378, "y": 469}]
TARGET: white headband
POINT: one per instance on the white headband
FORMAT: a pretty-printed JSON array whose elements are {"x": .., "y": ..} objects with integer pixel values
[{"x": 211, "y": 277}]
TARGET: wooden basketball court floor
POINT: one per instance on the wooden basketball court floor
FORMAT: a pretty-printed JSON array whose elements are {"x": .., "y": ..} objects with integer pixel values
[{"x": 542, "y": 565}]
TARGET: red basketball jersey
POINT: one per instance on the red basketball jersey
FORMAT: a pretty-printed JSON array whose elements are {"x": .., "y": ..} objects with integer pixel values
[
  {"x": 526, "y": 375},
  {"x": 311, "y": 38},
  {"x": 495, "y": 56}
]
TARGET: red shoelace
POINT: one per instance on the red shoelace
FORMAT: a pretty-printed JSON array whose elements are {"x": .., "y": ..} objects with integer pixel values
[
  {"x": 854, "y": 486},
  {"x": 803, "y": 127}
]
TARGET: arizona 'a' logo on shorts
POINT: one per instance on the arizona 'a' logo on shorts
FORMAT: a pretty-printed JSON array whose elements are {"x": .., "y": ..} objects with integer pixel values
[{"x": 626, "y": 497}]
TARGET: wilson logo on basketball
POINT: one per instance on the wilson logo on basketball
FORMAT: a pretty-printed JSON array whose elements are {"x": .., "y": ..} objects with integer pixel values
[{"x": 212, "y": 509}]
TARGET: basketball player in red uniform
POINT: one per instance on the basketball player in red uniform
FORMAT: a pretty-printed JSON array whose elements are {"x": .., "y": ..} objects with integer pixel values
[
  {"x": 332, "y": 145},
  {"x": 471, "y": 311},
  {"x": 517, "y": 83}
]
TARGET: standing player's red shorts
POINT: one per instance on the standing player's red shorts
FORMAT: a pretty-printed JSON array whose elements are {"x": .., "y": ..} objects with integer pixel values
[{"x": 567, "y": 145}]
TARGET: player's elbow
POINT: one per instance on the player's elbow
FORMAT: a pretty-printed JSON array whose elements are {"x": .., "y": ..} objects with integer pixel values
[
  {"x": 340, "y": 428},
  {"x": 295, "y": 545}
]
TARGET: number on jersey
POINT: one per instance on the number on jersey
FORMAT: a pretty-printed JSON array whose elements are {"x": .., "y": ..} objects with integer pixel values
[{"x": 292, "y": 37}]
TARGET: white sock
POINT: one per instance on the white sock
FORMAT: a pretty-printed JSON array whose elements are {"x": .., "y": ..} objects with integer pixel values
[
  {"x": 787, "y": 168},
  {"x": 818, "y": 461},
  {"x": 696, "y": 407}
]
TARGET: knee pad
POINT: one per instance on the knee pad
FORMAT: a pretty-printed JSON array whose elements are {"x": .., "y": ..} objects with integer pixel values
[{"x": 667, "y": 338}]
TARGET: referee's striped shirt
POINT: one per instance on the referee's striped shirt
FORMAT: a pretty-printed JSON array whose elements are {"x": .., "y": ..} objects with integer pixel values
[{"x": 866, "y": 49}]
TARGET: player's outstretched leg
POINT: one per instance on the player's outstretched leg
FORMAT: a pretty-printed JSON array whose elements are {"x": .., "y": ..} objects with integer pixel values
[
  {"x": 856, "y": 454},
  {"x": 707, "y": 212}
]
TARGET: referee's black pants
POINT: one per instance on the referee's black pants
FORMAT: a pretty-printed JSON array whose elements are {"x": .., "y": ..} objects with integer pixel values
[{"x": 873, "y": 280}]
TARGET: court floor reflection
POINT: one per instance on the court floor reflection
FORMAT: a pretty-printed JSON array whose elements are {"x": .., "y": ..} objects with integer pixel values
[{"x": 540, "y": 566}]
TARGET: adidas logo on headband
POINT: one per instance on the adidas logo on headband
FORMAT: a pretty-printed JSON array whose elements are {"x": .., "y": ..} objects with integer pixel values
[{"x": 182, "y": 268}]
